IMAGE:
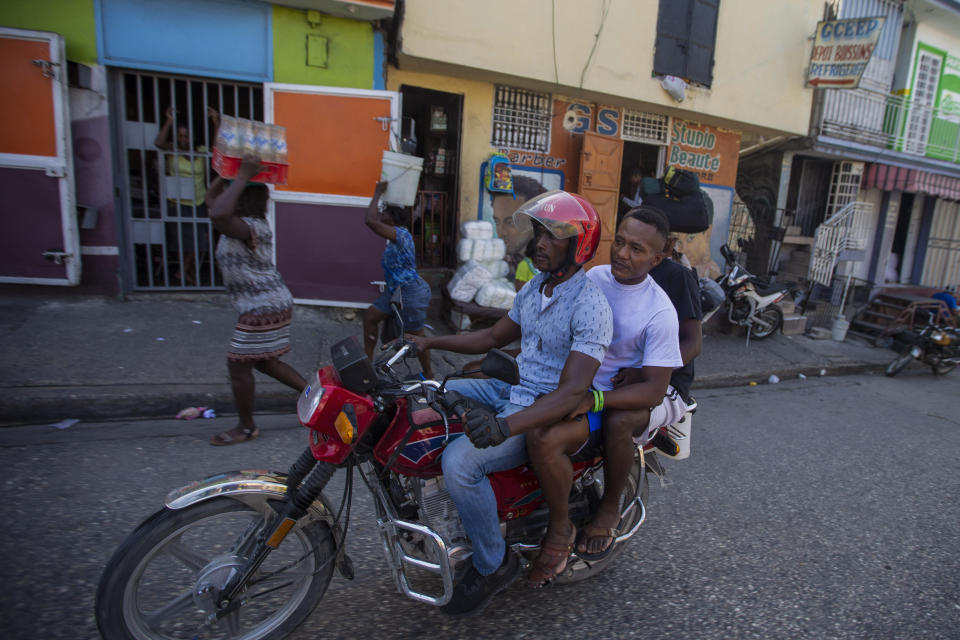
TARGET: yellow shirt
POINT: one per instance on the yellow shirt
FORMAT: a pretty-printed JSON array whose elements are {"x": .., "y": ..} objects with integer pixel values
[
  {"x": 525, "y": 270},
  {"x": 183, "y": 166}
]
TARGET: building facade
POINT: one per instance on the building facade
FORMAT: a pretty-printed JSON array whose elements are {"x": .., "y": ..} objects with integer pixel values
[
  {"x": 869, "y": 197},
  {"x": 105, "y": 200},
  {"x": 573, "y": 94}
]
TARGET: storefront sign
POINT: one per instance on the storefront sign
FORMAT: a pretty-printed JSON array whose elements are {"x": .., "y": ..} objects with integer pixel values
[
  {"x": 710, "y": 153},
  {"x": 841, "y": 51}
]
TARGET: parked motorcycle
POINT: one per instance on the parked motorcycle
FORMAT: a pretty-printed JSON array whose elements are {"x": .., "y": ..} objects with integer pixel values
[
  {"x": 750, "y": 301},
  {"x": 934, "y": 345},
  {"x": 249, "y": 554}
]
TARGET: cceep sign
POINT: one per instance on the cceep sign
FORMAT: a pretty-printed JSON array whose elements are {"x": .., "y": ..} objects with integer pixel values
[{"x": 841, "y": 51}]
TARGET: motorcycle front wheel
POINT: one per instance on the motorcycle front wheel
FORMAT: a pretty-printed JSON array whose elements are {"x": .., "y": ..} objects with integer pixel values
[
  {"x": 164, "y": 580},
  {"x": 766, "y": 323},
  {"x": 898, "y": 364}
]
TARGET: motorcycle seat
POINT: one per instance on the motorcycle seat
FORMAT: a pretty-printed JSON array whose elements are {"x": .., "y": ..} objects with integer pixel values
[{"x": 767, "y": 289}]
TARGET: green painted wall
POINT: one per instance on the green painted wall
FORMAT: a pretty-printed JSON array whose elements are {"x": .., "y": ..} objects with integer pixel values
[
  {"x": 73, "y": 19},
  {"x": 349, "y": 50}
]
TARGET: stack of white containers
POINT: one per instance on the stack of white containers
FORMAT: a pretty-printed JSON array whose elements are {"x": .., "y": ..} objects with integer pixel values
[{"x": 481, "y": 276}]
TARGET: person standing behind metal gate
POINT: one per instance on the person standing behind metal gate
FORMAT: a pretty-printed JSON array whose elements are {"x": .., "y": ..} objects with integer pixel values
[
  {"x": 257, "y": 291},
  {"x": 185, "y": 185}
]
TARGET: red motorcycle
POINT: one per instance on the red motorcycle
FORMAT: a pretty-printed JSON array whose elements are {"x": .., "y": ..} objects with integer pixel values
[{"x": 249, "y": 554}]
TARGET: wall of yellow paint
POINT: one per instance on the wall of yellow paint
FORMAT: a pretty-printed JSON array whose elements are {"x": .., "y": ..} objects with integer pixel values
[
  {"x": 475, "y": 133},
  {"x": 761, "y": 54}
]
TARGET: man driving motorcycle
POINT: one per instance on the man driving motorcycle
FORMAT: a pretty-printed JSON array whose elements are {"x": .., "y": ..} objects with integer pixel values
[{"x": 564, "y": 324}]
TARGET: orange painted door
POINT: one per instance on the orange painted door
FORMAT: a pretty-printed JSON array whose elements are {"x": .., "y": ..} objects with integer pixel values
[
  {"x": 335, "y": 143},
  {"x": 599, "y": 183},
  {"x": 40, "y": 243}
]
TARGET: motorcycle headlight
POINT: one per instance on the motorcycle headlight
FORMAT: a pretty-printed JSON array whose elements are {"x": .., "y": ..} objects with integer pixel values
[{"x": 309, "y": 400}]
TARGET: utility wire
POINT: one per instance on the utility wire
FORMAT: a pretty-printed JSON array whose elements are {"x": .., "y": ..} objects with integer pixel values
[{"x": 596, "y": 41}]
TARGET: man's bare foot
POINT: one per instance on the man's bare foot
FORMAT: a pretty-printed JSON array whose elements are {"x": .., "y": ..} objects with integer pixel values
[{"x": 555, "y": 550}]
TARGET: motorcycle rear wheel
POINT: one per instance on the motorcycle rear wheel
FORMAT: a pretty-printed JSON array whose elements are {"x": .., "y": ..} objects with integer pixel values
[
  {"x": 766, "y": 323},
  {"x": 151, "y": 588},
  {"x": 637, "y": 485},
  {"x": 942, "y": 368},
  {"x": 898, "y": 364}
]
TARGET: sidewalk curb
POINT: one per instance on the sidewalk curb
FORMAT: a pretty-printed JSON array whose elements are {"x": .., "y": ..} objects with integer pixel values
[{"x": 39, "y": 405}]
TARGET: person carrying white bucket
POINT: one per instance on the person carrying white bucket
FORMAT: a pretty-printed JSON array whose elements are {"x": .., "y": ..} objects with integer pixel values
[{"x": 399, "y": 263}]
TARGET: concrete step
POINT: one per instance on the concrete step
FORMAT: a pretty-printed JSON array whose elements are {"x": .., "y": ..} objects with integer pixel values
[{"x": 794, "y": 324}]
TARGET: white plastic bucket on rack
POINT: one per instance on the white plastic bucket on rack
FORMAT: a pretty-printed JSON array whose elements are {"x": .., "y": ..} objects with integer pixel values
[{"x": 402, "y": 172}]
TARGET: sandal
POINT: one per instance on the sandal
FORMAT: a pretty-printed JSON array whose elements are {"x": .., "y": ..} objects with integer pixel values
[
  {"x": 234, "y": 436},
  {"x": 552, "y": 560},
  {"x": 589, "y": 532}
]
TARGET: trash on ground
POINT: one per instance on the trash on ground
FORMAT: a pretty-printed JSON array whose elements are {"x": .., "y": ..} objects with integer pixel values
[
  {"x": 801, "y": 376},
  {"x": 160, "y": 339},
  {"x": 65, "y": 424},
  {"x": 752, "y": 383},
  {"x": 773, "y": 379},
  {"x": 823, "y": 372},
  {"x": 127, "y": 330},
  {"x": 191, "y": 413},
  {"x": 197, "y": 321}
]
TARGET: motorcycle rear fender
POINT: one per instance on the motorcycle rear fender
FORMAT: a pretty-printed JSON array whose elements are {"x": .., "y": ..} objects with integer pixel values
[{"x": 237, "y": 484}]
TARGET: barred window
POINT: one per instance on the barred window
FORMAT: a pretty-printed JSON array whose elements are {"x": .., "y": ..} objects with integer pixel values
[
  {"x": 651, "y": 128},
  {"x": 844, "y": 185},
  {"x": 521, "y": 120}
]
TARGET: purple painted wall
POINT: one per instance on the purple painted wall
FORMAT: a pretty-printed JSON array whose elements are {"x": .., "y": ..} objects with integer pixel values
[
  {"x": 327, "y": 253},
  {"x": 30, "y": 213},
  {"x": 94, "y": 178}
]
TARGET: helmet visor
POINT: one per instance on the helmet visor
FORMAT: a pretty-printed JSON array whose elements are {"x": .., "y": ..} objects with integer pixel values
[{"x": 557, "y": 211}]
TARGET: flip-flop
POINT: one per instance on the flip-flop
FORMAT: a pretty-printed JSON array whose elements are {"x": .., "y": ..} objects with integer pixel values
[
  {"x": 591, "y": 531},
  {"x": 225, "y": 438},
  {"x": 551, "y": 561}
]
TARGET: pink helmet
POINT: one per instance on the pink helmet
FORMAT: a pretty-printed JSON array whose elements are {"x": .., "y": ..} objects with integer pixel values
[{"x": 564, "y": 215}]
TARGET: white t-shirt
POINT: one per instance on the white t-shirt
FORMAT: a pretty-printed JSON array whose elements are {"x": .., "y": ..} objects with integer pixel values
[{"x": 645, "y": 327}]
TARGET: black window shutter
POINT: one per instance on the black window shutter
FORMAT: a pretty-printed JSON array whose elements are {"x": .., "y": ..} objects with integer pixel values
[
  {"x": 670, "y": 56},
  {"x": 686, "y": 35},
  {"x": 703, "y": 37}
]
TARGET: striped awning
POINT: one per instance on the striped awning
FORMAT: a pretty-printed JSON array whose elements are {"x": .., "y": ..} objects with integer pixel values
[{"x": 889, "y": 178}]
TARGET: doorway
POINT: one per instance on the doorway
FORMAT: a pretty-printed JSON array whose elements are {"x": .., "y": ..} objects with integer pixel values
[
  {"x": 435, "y": 117},
  {"x": 165, "y": 170},
  {"x": 639, "y": 161},
  {"x": 897, "y": 267}
]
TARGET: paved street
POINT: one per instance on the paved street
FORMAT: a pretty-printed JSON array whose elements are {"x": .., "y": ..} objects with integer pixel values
[{"x": 824, "y": 508}]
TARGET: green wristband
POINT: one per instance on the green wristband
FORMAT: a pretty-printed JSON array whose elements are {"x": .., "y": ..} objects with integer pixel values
[
  {"x": 600, "y": 393},
  {"x": 596, "y": 400}
]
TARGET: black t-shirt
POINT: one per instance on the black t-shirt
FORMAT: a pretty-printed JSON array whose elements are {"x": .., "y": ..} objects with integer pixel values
[{"x": 682, "y": 286}]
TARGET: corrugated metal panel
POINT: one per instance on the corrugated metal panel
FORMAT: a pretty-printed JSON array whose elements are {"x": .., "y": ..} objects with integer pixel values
[{"x": 941, "y": 268}]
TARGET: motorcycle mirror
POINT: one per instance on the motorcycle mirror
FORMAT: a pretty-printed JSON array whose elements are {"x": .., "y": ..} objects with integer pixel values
[{"x": 501, "y": 366}]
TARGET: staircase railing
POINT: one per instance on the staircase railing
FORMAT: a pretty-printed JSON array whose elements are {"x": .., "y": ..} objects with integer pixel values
[{"x": 846, "y": 230}]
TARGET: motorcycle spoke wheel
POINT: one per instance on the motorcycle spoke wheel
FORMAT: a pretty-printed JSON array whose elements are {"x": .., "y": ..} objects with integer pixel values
[
  {"x": 898, "y": 364},
  {"x": 766, "y": 323},
  {"x": 637, "y": 485},
  {"x": 163, "y": 582}
]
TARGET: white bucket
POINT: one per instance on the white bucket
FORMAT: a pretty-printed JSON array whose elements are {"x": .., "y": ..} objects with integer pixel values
[
  {"x": 838, "y": 331},
  {"x": 402, "y": 172}
]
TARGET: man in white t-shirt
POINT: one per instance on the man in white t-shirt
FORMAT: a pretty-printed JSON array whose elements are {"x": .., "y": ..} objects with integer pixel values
[{"x": 645, "y": 341}]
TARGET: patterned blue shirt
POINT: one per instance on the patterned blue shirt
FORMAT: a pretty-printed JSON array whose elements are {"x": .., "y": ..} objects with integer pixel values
[
  {"x": 399, "y": 260},
  {"x": 577, "y": 317}
]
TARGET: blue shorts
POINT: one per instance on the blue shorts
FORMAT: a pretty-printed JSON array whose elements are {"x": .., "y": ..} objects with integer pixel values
[
  {"x": 415, "y": 297},
  {"x": 595, "y": 438}
]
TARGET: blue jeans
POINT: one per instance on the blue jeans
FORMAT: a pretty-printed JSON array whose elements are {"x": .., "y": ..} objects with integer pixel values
[{"x": 465, "y": 470}]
